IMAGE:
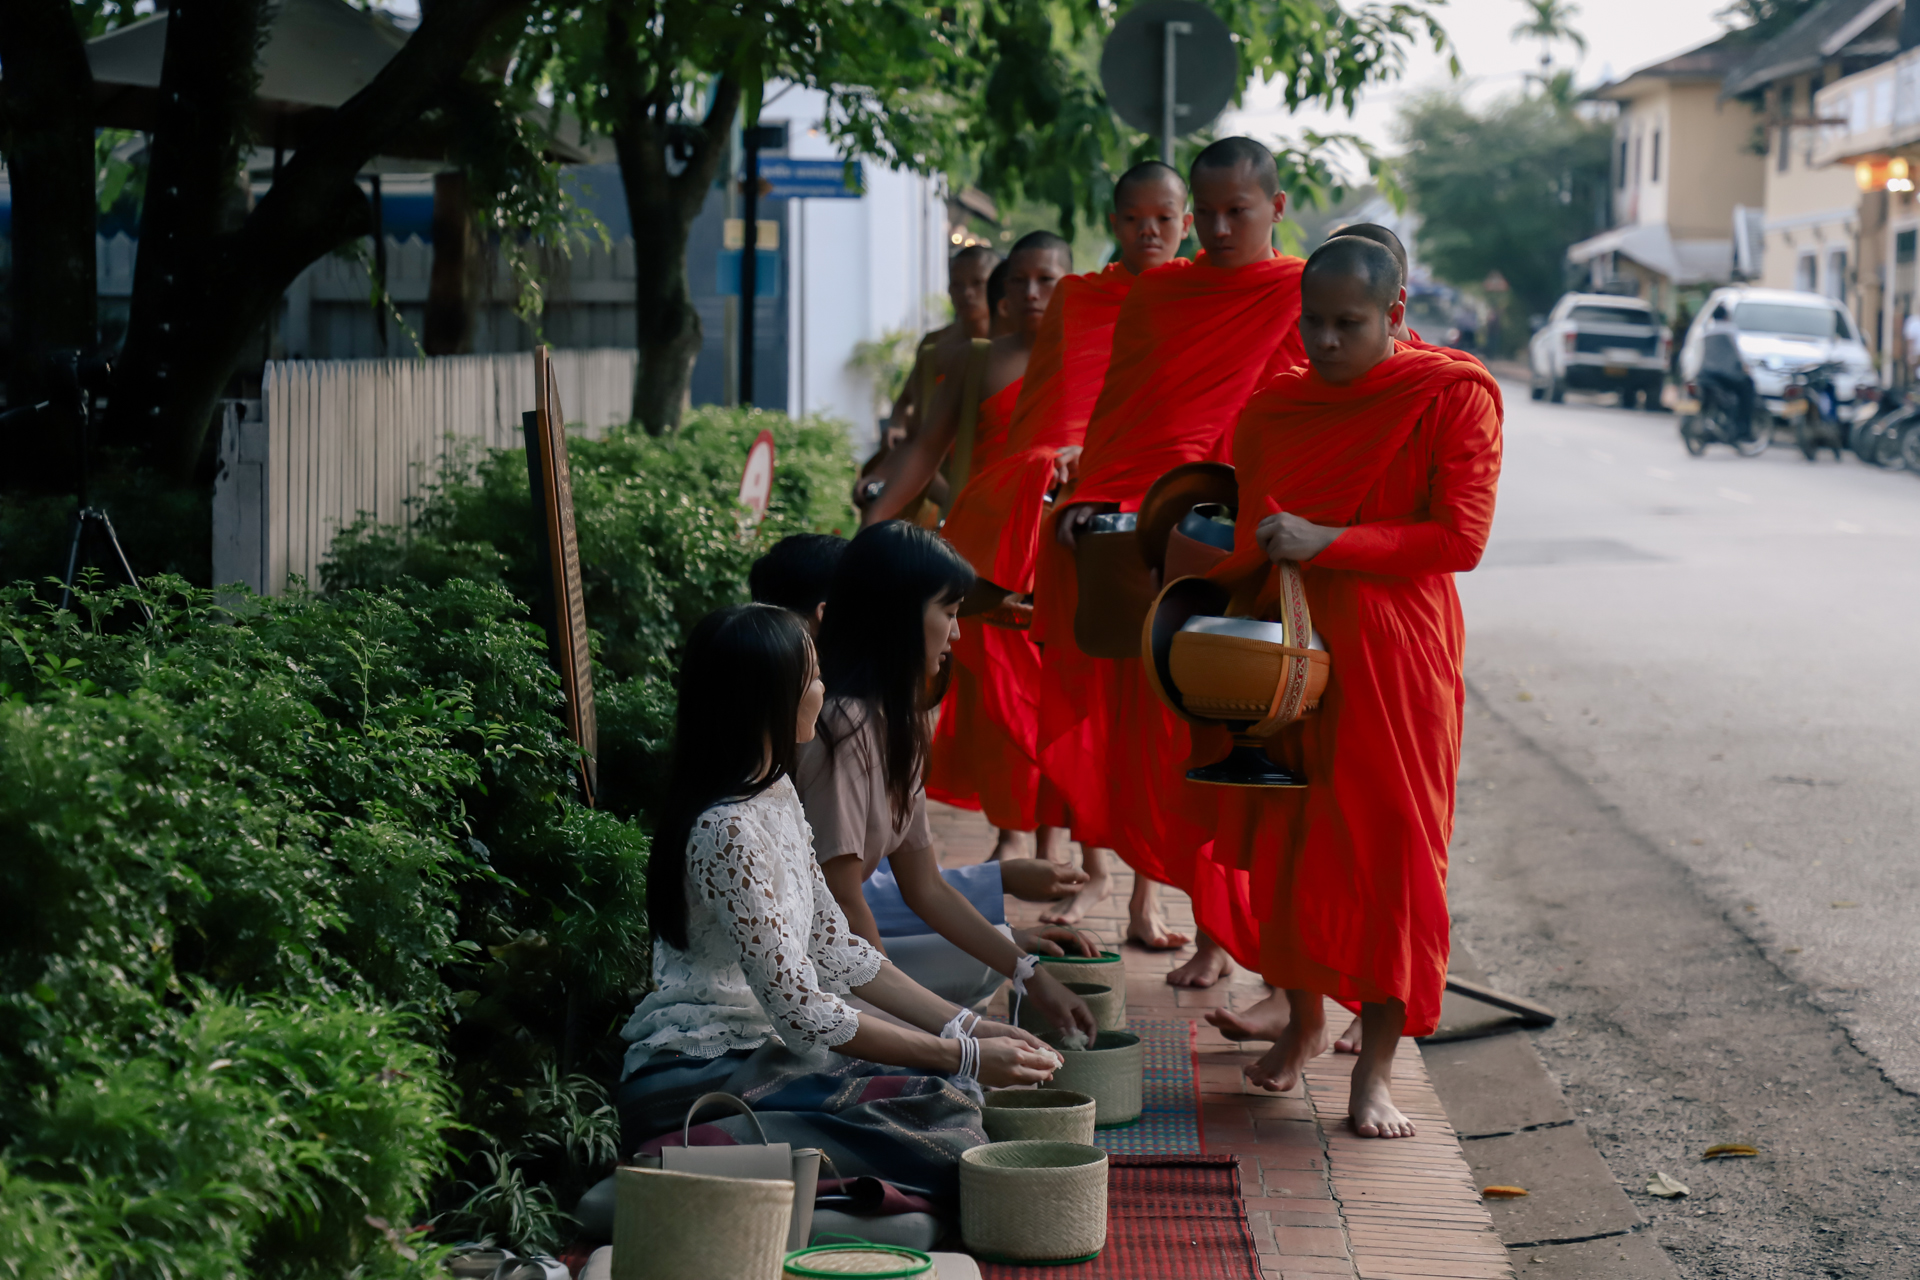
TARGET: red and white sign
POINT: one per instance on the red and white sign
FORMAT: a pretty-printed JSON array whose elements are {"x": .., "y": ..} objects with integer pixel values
[{"x": 756, "y": 482}]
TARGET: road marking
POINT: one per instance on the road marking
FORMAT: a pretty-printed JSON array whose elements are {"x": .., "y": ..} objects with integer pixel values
[
  {"x": 1660, "y": 473},
  {"x": 1734, "y": 495},
  {"x": 1848, "y": 526},
  {"x": 1599, "y": 455}
]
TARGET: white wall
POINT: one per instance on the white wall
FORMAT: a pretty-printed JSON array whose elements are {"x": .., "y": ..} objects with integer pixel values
[{"x": 859, "y": 268}]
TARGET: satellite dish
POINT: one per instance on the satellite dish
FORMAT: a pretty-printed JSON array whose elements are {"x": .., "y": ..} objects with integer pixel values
[
  {"x": 756, "y": 482},
  {"x": 1169, "y": 68}
]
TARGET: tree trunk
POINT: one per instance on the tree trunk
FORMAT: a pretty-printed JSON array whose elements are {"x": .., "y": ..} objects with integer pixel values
[
  {"x": 662, "y": 206},
  {"x": 455, "y": 285},
  {"x": 48, "y": 112},
  {"x": 201, "y": 291}
]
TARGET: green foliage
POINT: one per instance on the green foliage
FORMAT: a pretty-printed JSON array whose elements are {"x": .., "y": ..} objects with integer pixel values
[
  {"x": 242, "y": 840},
  {"x": 1506, "y": 189},
  {"x": 1764, "y": 19},
  {"x": 662, "y": 544},
  {"x": 886, "y": 360}
]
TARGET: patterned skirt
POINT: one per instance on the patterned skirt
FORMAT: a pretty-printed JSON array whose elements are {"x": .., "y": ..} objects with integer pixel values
[{"x": 904, "y": 1127}]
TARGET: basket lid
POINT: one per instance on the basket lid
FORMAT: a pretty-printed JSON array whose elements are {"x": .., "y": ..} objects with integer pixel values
[
  {"x": 1105, "y": 957},
  {"x": 874, "y": 1261}
]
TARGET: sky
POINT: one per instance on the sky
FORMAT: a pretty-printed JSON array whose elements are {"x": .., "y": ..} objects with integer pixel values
[{"x": 1621, "y": 35}]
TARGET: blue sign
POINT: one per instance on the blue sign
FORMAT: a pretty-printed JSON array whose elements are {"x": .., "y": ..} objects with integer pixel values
[
  {"x": 812, "y": 179},
  {"x": 766, "y": 273}
]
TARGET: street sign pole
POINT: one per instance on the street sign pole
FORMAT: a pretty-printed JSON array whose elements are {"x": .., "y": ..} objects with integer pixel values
[
  {"x": 1169, "y": 85},
  {"x": 766, "y": 135}
]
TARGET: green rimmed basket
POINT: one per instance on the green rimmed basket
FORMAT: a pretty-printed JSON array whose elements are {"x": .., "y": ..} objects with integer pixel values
[
  {"x": 1034, "y": 1201},
  {"x": 873, "y": 1261},
  {"x": 1044, "y": 1115},
  {"x": 1107, "y": 1004},
  {"x": 1105, "y": 967},
  {"x": 1112, "y": 1070}
]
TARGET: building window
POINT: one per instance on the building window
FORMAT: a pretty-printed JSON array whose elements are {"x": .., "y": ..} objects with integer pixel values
[
  {"x": 1786, "y": 130},
  {"x": 1837, "y": 275},
  {"x": 1637, "y": 171},
  {"x": 1620, "y": 179},
  {"x": 1883, "y": 101},
  {"x": 1654, "y": 168},
  {"x": 1806, "y": 274}
]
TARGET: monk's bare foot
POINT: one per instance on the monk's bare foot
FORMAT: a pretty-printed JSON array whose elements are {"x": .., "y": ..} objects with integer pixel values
[
  {"x": 1210, "y": 963},
  {"x": 1370, "y": 1108},
  {"x": 1350, "y": 1040},
  {"x": 1265, "y": 1021},
  {"x": 1007, "y": 846},
  {"x": 1097, "y": 889},
  {"x": 1145, "y": 924},
  {"x": 1305, "y": 1038}
]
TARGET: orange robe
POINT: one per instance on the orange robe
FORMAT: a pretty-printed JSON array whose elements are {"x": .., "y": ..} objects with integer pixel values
[
  {"x": 984, "y": 745},
  {"x": 1190, "y": 346},
  {"x": 1350, "y": 871}
]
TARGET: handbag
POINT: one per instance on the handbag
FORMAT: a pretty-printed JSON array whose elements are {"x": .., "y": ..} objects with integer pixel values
[{"x": 771, "y": 1160}]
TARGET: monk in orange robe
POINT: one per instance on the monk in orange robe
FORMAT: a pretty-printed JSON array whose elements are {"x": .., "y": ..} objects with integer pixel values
[
  {"x": 996, "y": 520},
  {"x": 983, "y": 748},
  {"x": 1192, "y": 343},
  {"x": 1374, "y": 469}
]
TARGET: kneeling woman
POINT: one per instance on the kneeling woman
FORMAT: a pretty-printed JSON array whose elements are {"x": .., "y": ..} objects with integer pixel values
[{"x": 752, "y": 956}]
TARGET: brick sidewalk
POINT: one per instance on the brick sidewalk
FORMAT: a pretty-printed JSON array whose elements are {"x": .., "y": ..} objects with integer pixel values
[{"x": 1322, "y": 1202}]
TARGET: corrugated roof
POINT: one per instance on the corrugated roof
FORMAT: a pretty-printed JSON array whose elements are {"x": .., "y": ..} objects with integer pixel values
[
  {"x": 1821, "y": 33},
  {"x": 1710, "y": 61}
]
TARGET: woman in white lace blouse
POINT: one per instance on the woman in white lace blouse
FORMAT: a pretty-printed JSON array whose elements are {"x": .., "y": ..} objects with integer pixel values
[{"x": 753, "y": 959}]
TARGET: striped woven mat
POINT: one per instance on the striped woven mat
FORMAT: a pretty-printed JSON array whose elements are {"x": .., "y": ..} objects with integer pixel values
[
  {"x": 1168, "y": 1218},
  {"x": 1170, "y": 1120}
]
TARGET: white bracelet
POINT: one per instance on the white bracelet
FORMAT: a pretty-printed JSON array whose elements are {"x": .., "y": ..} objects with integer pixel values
[{"x": 1022, "y": 971}]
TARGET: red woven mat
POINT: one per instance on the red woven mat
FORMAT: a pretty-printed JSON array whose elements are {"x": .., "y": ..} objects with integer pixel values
[{"x": 1168, "y": 1218}]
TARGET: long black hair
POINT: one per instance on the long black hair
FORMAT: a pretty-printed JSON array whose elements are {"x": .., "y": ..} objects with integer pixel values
[
  {"x": 873, "y": 644},
  {"x": 742, "y": 675}
]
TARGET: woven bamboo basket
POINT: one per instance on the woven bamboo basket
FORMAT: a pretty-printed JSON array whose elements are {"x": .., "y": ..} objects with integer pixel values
[
  {"x": 874, "y": 1261},
  {"x": 1112, "y": 1069},
  {"x": 1109, "y": 1007},
  {"x": 1048, "y": 1115},
  {"x": 1034, "y": 1201},
  {"x": 686, "y": 1226},
  {"x": 1106, "y": 968}
]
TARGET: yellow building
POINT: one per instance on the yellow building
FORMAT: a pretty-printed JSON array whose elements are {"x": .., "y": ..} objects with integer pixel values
[
  {"x": 1808, "y": 233},
  {"x": 1684, "y": 158}
]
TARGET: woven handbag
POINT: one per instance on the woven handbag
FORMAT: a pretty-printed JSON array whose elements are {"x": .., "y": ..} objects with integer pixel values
[
  {"x": 1034, "y": 1201},
  {"x": 1042, "y": 1115},
  {"x": 1109, "y": 1007},
  {"x": 686, "y": 1226},
  {"x": 1112, "y": 1069}
]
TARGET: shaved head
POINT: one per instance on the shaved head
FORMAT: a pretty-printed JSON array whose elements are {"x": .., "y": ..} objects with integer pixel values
[
  {"x": 1042, "y": 242},
  {"x": 974, "y": 253},
  {"x": 1361, "y": 259},
  {"x": 1235, "y": 153},
  {"x": 1382, "y": 236},
  {"x": 1146, "y": 174}
]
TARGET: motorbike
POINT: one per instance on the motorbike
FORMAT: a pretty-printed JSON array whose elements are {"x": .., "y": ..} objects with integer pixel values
[
  {"x": 1878, "y": 439},
  {"x": 1813, "y": 406},
  {"x": 1710, "y": 415}
]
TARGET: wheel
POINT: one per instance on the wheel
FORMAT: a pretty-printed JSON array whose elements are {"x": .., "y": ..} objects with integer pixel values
[
  {"x": 1558, "y": 393},
  {"x": 1755, "y": 442},
  {"x": 1650, "y": 398},
  {"x": 1690, "y": 435},
  {"x": 1887, "y": 440},
  {"x": 1539, "y": 392},
  {"x": 1910, "y": 447},
  {"x": 1804, "y": 437}
]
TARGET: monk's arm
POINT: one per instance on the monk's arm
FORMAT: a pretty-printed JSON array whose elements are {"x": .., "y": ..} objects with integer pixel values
[
  {"x": 908, "y": 468},
  {"x": 1466, "y": 472}
]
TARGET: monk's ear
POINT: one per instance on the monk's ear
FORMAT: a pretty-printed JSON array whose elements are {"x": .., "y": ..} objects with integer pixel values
[
  {"x": 1186, "y": 224},
  {"x": 1279, "y": 205},
  {"x": 1397, "y": 313}
]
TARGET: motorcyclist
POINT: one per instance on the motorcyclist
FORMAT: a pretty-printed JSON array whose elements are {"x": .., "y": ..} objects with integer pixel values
[{"x": 1722, "y": 373}]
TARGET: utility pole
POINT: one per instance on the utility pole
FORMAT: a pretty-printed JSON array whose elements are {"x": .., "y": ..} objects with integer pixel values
[
  {"x": 1169, "y": 76},
  {"x": 772, "y": 136}
]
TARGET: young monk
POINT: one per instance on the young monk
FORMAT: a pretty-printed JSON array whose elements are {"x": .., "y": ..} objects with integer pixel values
[
  {"x": 1191, "y": 344},
  {"x": 1374, "y": 469},
  {"x": 996, "y": 520},
  {"x": 983, "y": 751}
]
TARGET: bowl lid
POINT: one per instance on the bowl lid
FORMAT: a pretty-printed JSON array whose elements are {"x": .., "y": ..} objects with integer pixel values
[{"x": 875, "y": 1261}]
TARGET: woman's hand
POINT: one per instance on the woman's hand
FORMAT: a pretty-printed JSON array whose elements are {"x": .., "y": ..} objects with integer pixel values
[
  {"x": 1038, "y": 880},
  {"x": 1066, "y": 464},
  {"x": 985, "y": 1030},
  {"x": 1072, "y": 521},
  {"x": 1005, "y": 1061},
  {"x": 1287, "y": 537},
  {"x": 1055, "y": 940},
  {"x": 1065, "y": 1010}
]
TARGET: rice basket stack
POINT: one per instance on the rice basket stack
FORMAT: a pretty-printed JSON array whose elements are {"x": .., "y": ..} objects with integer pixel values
[
  {"x": 688, "y": 1226},
  {"x": 1106, "y": 968},
  {"x": 1034, "y": 1201},
  {"x": 1112, "y": 1069},
  {"x": 1052, "y": 1115}
]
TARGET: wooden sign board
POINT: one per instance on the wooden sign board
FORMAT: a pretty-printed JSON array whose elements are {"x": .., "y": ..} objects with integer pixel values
[
  {"x": 756, "y": 482},
  {"x": 547, "y": 473}
]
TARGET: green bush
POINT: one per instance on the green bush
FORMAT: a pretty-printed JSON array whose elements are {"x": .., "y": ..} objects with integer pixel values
[
  {"x": 662, "y": 544},
  {"x": 241, "y": 843}
]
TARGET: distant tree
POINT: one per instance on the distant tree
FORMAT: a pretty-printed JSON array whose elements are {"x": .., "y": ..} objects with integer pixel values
[
  {"x": 1549, "y": 21},
  {"x": 1505, "y": 189},
  {"x": 1764, "y": 19},
  {"x": 1002, "y": 93}
]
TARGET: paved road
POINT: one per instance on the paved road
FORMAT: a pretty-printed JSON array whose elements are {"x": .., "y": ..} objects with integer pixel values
[{"x": 1688, "y": 819}]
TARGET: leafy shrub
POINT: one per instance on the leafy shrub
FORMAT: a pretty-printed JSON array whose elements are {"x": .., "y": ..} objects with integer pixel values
[
  {"x": 662, "y": 544},
  {"x": 240, "y": 842}
]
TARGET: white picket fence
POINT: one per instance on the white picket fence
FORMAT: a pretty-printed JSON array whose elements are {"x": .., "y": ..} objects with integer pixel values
[{"x": 330, "y": 440}]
